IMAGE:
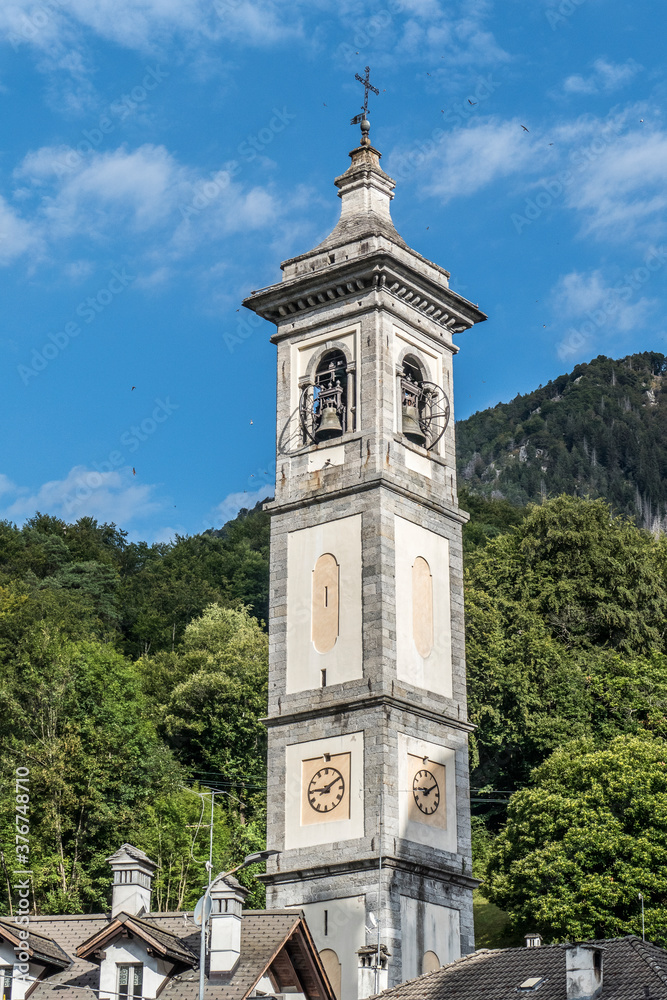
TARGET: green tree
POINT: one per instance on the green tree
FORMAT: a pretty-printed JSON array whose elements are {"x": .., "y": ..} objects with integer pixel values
[
  {"x": 594, "y": 579},
  {"x": 173, "y": 829},
  {"x": 72, "y": 711},
  {"x": 210, "y": 695},
  {"x": 584, "y": 840}
]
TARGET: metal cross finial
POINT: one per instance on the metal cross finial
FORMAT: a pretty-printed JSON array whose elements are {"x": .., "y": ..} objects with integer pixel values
[{"x": 367, "y": 86}]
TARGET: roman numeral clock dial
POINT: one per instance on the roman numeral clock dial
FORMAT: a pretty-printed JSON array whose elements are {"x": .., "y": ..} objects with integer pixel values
[
  {"x": 326, "y": 790},
  {"x": 426, "y": 792}
]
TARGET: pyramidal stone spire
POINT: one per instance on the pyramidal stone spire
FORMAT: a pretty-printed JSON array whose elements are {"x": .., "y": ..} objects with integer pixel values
[{"x": 366, "y": 192}]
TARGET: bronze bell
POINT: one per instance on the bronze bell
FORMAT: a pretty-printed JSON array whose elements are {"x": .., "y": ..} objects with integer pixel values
[
  {"x": 330, "y": 425},
  {"x": 411, "y": 428}
]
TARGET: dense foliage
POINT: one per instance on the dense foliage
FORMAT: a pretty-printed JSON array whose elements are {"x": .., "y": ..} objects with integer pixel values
[
  {"x": 132, "y": 675},
  {"x": 585, "y": 839},
  {"x": 116, "y": 742},
  {"x": 600, "y": 431}
]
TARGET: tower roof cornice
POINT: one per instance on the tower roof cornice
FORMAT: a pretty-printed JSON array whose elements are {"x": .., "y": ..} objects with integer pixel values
[{"x": 379, "y": 269}]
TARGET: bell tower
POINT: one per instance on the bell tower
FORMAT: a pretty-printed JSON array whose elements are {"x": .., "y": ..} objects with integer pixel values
[{"x": 368, "y": 795}]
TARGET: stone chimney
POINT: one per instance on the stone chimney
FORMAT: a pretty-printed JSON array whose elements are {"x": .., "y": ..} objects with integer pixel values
[
  {"x": 583, "y": 969},
  {"x": 367, "y": 984},
  {"x": 132, "y": 878},
  {"x": 227, "y": 899}
]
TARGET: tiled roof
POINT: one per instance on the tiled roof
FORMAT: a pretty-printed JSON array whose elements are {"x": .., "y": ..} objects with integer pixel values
[
  {"x": 632, "y": 970},
  {"x": 264, "y": 934},
  {"x": 40, "y": 945},
  {"x": 132, "y": 852},
  {"x": 168, "y": 944}
]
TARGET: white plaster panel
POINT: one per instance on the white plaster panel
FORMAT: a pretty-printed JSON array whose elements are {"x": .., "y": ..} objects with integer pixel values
[
  {"x": 130, "y": 953},
  {"x": 427, "y": 927},
  {"x": 327, "y": 831},
  {"x": 433, "y": 672},
  {"x": 341, "y": 538},
  {"x": 418, "y": 463},
  {"x": 326, "y": 456},
  {"x": 422, "y": 833},
  {"x": 345, "y": 934}
]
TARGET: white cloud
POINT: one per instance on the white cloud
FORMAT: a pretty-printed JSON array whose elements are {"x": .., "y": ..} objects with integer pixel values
[
  {"x": 606, "y": 76},
  {"x": 167, "y": 208},
  {"x": 600, "y": 308},
  {"x": 17, "y": 235},
  {"x": 106, "y": 496},
  {"x": 471, "y": 158},
  {"x": 59, "y": 27},
  {"x": 621, "y": 193},
  {"x": 233, "y": 502}
]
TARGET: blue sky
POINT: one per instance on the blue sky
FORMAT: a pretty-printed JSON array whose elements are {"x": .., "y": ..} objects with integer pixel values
[{"x": 161, "y": 157}]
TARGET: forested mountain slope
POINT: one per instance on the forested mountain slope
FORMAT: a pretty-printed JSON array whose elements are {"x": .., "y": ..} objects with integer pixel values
[{"x": 600, "y": 431}]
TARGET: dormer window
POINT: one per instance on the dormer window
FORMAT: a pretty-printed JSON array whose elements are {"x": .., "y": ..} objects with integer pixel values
[
  {"x": 130, "y": 981},
  {"x": 7, "y": 973}
]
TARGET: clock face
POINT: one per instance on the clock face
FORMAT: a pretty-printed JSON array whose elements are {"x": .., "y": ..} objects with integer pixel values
[
  {"x": 326, "y": 790},
  {"x": 426, "y": 792}
]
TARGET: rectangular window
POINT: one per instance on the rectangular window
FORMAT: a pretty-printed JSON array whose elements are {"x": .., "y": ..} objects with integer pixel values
[
  {"x": 131, "y": 981},
  {"x": 7, "y": 972}
]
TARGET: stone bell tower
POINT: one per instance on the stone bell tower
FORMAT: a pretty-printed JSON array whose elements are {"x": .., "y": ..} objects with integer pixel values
[{"x": 368, "y": 796}]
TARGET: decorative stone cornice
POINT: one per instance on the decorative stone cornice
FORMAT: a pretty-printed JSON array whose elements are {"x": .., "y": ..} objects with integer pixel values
[
  {"x": 362, "y": 704},
  {"x": 378, "y": 271},
  {"x": 443, "y": 873}
]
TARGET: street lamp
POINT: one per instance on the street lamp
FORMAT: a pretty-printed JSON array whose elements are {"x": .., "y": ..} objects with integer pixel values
[{"x": 205, "y": 902}]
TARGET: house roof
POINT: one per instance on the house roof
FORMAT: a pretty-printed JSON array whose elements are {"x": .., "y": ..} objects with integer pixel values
[
  {"x": 167, "y": 944},
  {"x": 632, "y": 970},
  {"x": 129, "y": 851},
  {"x": 271, "y": 940},
  {"x": 40, "y": 947}
]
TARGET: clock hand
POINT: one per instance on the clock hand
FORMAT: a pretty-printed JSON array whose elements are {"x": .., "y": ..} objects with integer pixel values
[
  {"x": 426, "y": 791},
  {"x": 324, "y": 791}
]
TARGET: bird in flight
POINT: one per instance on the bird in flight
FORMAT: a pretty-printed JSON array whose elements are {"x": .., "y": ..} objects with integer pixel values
[
  {"x": 134, "y": 471},
  {"x": 133, "y": 388},
  {"x": 474, "y": 103},
  {"x": 525, "y": 129}
]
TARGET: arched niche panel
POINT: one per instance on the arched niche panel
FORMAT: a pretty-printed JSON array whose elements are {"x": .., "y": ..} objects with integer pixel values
[
  {"x": 422, "y": 606},
  {"x": 326, "y": 603},
  {"x": 430, "y": 962},
  {"x": 423, "y": 601},
  {"x": 332, "y": 967}
]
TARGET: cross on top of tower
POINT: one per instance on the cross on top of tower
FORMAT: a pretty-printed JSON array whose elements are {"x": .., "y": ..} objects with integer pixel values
[
  {"x": 367, "y": 86},
  {"x": 363, "y": 117}
]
